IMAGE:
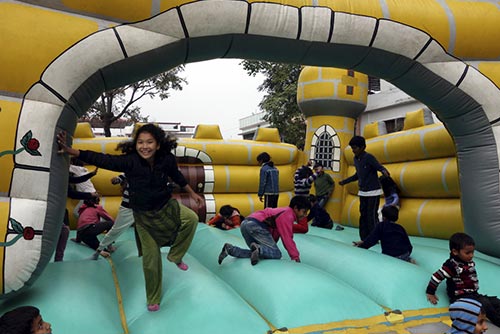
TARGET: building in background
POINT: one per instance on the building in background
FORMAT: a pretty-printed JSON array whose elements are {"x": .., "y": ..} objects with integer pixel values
[{"x": 250, "y": 124}]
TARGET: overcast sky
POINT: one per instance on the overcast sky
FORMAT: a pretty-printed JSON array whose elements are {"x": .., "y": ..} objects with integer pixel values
[{"x": 219, "y": 91}]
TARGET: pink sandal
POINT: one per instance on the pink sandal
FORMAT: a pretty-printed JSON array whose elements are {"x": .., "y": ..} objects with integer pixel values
[
  {"x": 182, "y": 266},
  {"x": 153, "y": 307}
]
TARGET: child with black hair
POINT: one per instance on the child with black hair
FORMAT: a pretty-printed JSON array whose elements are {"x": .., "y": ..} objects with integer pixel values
[
  {"x": 268, "y": 181},
  {"x": 149, "y": 165},
  {"x": 227, "y": 218},
  {"x": 93, "y": 220},
  {"x": 324, "y": 184},
  {"x": 303, "y": 180},
  {"x": 467, "y": 316},
  {"x": 393, "y": 237},
  {"x": 262, "y": 229},
  {"x": 369, "y": 192},
  {"x": 24, "y": 320},
  {"x": 318, "y": 215},
  {"x": 460, "y": 274}
]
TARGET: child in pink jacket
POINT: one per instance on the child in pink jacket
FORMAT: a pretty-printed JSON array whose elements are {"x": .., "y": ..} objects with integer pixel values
[
  {"x": 92, "y": 221},
  {"x": 262, "y": 229}
]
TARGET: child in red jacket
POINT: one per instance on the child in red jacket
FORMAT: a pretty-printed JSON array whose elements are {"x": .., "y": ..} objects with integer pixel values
[{"x": 227, "y": 218}]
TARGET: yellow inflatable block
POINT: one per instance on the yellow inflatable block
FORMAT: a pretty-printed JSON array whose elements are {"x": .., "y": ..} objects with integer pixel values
[
  {"x": 83, "y": 130},
  {"x": 432, "y": 218},
  {"x": 205, "y": 131},
  {"x": 134, "y": 11},
  {"x": 374, "y": 129},
  {"x": 268, "y": 135},
  {"x": 416, "y": 119},
  {"x": 9, "y": 112}
]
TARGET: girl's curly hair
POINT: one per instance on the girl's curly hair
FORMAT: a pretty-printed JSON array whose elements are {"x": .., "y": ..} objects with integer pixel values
[{"x": 167, "y": 142}]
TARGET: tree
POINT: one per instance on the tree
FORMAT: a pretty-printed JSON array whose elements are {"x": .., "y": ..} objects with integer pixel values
[
  {"x": 280, "y": 102},
  {"x": 118, "y": 103}
]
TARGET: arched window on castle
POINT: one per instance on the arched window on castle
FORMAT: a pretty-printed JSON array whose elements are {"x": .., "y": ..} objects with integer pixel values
[{"x": 325, "y": 148}]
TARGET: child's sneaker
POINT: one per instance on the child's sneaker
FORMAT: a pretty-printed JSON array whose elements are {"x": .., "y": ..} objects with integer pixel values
[
  {"x": 224, "y": 253},
  {"x": 182, "y": 266},
  {"x": 105, "y": 253},
  {"x": 153, "y": 307},
  {"x": 339, "y": 228},
  {"x": 254, "y": 257},
  {"x": 111, "y": 248}
]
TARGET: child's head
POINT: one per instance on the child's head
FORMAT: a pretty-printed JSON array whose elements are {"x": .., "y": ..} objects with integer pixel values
[
  {"x": 388, "y": 185},
  {"x": 390, "y": 213},
  {"x": 305, "y": 172},
  {"x": 467, "y": 316},
  {"x": 462, "y": 246},
  {"x": 91, "y": 201},
  {"x": 226, "y": 211},
  {"x": 164, "y": 142},
  {"x": 300, "y": 205},
  {"x": 263, "y": 158},
  {"x": 313, "y": 199},
  {"x": 24, "y": 320},
  {"x": 358, "y": 145}
]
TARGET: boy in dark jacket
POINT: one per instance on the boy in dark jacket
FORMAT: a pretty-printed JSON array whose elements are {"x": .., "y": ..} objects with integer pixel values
[
  {"x": 318, "y": 214},
  {"x": 369, "y": 187},
  {"x": 393, "y": 237},
  {"x": 460, "y": 274}
]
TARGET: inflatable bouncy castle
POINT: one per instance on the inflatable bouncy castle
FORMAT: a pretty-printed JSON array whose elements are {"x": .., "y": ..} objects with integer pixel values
[{"x": 59, "y": 56}]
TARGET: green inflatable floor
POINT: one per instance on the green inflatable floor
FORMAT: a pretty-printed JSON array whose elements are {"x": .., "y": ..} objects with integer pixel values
[{"x": 336, "y": 288}]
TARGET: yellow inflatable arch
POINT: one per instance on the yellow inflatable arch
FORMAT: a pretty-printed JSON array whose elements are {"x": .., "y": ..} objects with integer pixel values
[{"x": 443, "y": 54}]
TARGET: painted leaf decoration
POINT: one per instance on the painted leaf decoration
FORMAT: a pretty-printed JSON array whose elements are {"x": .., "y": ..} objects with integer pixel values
[
  {"x": 16, "y": 226},
  {"x": 26, "y": 138}
]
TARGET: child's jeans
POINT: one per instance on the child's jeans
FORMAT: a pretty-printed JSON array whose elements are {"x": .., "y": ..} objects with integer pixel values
[{"x": 254, "y": 231}]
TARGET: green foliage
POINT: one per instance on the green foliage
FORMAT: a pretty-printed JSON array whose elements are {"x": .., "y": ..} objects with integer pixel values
[
  {"x": 119, "y": 103},
  {"x": 280, "y": 102}
]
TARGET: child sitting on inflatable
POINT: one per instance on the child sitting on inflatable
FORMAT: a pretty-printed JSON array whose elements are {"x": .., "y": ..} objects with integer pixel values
[
  {"x": 90, "y": 224},
  {"x": 460, "y": 274},
  {"x": 318, "y": 215},
  {"x": 393, "y": 237}
]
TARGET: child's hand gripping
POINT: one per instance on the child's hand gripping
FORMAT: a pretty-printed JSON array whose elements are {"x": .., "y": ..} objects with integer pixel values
[{"x": 432, "y": 298}]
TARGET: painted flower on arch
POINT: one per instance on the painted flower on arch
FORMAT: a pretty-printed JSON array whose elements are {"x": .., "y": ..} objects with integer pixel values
[{"x": 29, "y": 144}]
